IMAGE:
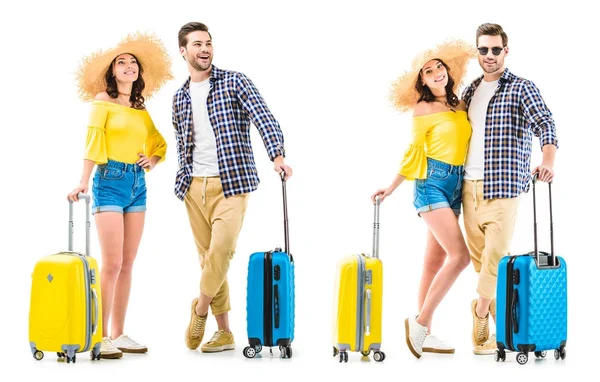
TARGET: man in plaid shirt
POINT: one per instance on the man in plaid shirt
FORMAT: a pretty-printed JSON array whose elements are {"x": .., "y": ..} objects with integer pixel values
[
  {"x": 505, "y": 111},
  {"x": 212, "y": 112}
]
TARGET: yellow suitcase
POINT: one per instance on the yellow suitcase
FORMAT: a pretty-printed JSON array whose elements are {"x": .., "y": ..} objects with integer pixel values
[
  {"x": 358, "y": 302},
  {"x": 65, "y": 313}
]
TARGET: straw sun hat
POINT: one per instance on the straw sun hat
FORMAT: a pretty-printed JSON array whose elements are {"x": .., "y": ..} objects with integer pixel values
[
  {"x": 456, "y": 54},
  {"x": 149, "y": 51}
]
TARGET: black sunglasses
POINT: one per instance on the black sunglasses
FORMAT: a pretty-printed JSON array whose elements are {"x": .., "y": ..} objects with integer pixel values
[{"x": 495, "y": 50}]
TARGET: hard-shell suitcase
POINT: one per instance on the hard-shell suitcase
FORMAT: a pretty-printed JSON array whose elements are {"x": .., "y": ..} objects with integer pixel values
[
  {"x": 65, "y": 313},
  {"x": 531, "y": 305},
  {"x": 270, "y": 299},
  {"x": 358, "y": 302}
]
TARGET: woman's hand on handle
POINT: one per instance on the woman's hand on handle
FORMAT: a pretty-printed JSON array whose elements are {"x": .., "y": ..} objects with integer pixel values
[
  {"x": 382, "y": 193},
  {"x": 74, "y": 195},
  {"x": 385, "y": 192},
  {"x": 88, "y": 166}
]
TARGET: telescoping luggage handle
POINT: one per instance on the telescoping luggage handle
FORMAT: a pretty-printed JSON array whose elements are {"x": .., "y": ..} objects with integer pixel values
[
  {"x": 87, "y": 223},
  {"x": 551, "y": 256},
  {"x": 286, "y": 232},
  {"x": 88, "y": 200},
  {"x": 376, "y": 227}
]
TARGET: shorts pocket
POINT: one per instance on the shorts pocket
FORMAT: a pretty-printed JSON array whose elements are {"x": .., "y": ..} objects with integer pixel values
[
  {"x": 108, "y": 173},
  {"x": 436, "y": 173}
]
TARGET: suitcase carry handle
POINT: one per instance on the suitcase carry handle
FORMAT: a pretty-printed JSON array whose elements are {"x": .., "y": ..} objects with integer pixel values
[
  {"x": 276, "y": 305},
  {"x": 95, "y": 323},
  {"x": 87, "y": 199},
  {"x": 551, "y": 257},
  {"x": 286, "y": 232},
  {"x": 368, "y": 312},
  {"x": 376, "y": 227},
  {"x": 513, "y": 308}
]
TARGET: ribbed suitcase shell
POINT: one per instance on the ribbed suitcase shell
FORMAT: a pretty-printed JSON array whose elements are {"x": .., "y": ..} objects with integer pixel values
[
  {"x": 270, "y": 296},
  {"x": 531, "y": 299},
  {"x": 538, "y": 319},
  {"x": 280, "y": 330}
]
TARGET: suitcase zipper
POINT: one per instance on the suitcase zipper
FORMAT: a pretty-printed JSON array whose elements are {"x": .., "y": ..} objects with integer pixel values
[
  {"x": 360, "y": 302},
  {"x": 509, "y": 303},
  {"x": 88, "y": 299},
  {"x": 268, "y": 299}
]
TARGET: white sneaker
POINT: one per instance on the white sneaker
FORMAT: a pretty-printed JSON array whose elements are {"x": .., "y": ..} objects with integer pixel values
[
  {"x": 433, "y": 344},
  {"x": 108, "y": 350},
  {"x": 415, "y": 336},
  {"x": 127, "y": 345}
]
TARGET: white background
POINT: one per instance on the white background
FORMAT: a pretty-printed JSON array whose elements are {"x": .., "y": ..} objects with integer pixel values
[{"x": 325, "y": 71}]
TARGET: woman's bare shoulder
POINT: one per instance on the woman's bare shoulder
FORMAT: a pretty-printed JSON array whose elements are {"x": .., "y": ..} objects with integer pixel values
[
  {"x": 103, "y": 96},
  {"x": 422, "y": 108}
]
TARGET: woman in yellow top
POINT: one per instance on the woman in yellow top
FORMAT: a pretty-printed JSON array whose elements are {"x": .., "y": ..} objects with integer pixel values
[
  {"x": 124, "y": 144},
  {"x": 434, "y": 160}
]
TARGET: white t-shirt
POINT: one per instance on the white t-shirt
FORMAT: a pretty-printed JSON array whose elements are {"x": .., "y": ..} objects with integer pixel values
[
  {"x": 205, "y": 145},
  {"x": 477, "y": 116}
]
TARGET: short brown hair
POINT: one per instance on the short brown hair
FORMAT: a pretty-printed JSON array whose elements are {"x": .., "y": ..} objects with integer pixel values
[
  {"x": 489, "y": 29},
  {"x": 189, "y": 28}
]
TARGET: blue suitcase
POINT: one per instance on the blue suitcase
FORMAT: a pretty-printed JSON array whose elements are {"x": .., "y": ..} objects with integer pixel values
[
  {"x": 531, "y": 301},
  {"x": 270, "y": 297}
]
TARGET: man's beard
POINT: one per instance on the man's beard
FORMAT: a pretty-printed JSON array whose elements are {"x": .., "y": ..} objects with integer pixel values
[{"x": 195, "y": 65}]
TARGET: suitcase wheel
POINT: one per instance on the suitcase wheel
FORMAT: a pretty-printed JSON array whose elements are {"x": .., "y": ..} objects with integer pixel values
[
  {"x": 285, "y": 351},
  {"x": 343, "y": 356},
  {"x": 365, "y": 353},
  {"x": 69, "y": 359},
  {"x": 378, "y": 356},
  {"x": 522, "y": 358},
  {"x": 249, "y": 352},
  {"x": 560, "y": 353},
  {"x": 500, "y": 355},
  {"x": 540, "y": 354},
  {"x": 335, "y": 351},
  {"x": 38, "y": 354}
]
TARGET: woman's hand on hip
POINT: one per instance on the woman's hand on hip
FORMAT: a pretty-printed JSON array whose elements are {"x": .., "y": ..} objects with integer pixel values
[{"x": 145, "y": 162}]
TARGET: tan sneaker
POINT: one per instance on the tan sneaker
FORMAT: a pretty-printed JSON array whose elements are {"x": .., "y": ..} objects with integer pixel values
[
  {"x": 195, "y": 330},
  {"x": 481, "y": 327},
  {"x": 488, "y": 347},
  {"x": 219, "y": 342}
]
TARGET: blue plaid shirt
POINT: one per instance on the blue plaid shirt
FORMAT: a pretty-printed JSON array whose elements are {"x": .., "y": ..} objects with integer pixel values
[
  {"x": 515, "y": 112},
  {"x": 233, "y": 102}
]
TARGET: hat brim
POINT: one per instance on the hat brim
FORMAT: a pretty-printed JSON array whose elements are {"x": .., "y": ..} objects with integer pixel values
[
  {"x": 454, "y": 53},
  {"x": 148, "y": 50}
]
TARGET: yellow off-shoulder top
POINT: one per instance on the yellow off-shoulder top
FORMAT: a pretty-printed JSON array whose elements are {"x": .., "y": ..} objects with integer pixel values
[
  {"x": 443, "y": 136},
  {"x": 119, "y": 133}
]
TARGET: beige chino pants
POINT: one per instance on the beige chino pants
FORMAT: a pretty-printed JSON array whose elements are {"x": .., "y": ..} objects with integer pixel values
[
  {"x": 489, "y": 226},
  {"x": 216, "y": 223}
]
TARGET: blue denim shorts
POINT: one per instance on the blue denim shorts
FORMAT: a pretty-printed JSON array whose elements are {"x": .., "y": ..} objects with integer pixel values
[
  {"x": 119, "y": 187},
  {"x": 442, "y": 188}
]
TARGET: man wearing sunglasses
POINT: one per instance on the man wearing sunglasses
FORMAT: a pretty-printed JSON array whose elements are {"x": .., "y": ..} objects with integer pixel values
[{"x": 505, "y": 111}]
